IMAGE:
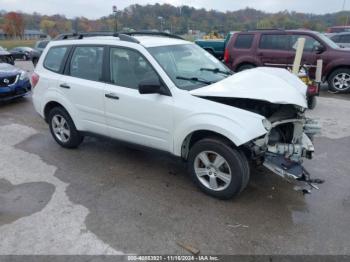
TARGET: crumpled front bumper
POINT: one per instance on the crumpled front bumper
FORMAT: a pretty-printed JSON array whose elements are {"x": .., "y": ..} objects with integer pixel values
[
  {"x": 291, "y": 171},
  {"x": 286, "y": 159}
]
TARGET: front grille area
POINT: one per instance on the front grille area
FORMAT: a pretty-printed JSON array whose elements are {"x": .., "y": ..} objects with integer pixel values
[{"x": 6, "y": 81}]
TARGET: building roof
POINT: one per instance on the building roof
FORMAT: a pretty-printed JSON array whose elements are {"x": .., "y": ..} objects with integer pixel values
[{"x": 33, "y": 32}]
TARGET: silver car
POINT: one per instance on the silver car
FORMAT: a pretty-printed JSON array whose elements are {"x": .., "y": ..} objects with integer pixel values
[{"x": 342, "y": 39}]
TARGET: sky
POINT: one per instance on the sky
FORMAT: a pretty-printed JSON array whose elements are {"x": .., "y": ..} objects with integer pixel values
[{"x": 94, "y": 9}]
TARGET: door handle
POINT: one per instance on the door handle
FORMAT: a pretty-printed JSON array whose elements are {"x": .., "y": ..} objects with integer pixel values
[
  {"x": 65, "y": 86},
  {"x": 112, "y": 96}
]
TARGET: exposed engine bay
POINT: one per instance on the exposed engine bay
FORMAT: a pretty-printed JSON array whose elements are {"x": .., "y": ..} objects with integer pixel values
[{"x": 287, "y": 142}]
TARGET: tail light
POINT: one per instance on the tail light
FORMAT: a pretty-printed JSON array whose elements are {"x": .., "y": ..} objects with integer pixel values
[
  {"x": 34, "y": 79},
  {"x": 313, "y": 90},
  {"x": 226, "y": 56}
]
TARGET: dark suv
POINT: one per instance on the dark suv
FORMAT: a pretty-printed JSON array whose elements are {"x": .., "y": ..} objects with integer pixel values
[{"x": 276, "y": 48}]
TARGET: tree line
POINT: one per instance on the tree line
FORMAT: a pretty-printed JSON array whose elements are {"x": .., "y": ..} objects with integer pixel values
[{"x": 175, "y": 19}]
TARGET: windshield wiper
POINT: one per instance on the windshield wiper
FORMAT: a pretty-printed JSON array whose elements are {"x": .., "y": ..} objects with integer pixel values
[
  {"x": 216, "y": 71},
  {"x": 194, "y": 79}
]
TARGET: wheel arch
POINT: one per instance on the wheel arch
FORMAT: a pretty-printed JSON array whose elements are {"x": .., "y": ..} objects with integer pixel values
[
  {"x": 334, "y": 69},
  {"x": 198, "y": 135},
  {"x": 245, "y": 63},
  {"x": 49, "y": 106}
]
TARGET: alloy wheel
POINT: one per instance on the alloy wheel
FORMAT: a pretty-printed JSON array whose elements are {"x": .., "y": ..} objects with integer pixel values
[
  {"x": 60, "y": 128},
  {"x": 341, "y": 82},
  {"x": 212, "y": 170}
]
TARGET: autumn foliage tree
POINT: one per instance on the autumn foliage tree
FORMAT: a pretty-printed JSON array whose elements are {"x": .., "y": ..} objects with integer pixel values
[{"x": 13, "y": 24}]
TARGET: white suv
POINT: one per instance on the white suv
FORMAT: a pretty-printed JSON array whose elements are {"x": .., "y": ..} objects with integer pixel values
[{"x": 169, "y": 94}]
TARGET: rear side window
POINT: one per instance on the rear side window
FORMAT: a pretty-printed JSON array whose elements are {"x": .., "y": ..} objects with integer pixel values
[
  {"x": 244, "y": 41},
  {"x": 274, "y": 41},
  {"x": 86, "y": 62},
  {"x": 54, "y": 58}
]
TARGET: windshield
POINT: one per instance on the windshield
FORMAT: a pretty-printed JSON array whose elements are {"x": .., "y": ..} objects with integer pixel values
[
  {"x": 2, "y": 49},
  {"x": 189, "y": 66},
  {"x": 327, "y": 40}
]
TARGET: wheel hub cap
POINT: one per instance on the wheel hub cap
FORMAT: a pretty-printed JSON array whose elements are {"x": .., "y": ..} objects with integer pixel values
[
  {"x": 60, "y": 128},
  {"x": 212, "y": 170},
  {"x": 341, "y": 81}
]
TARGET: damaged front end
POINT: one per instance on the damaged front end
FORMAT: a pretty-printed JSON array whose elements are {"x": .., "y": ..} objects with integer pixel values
[{"x": 287, "y": 142}]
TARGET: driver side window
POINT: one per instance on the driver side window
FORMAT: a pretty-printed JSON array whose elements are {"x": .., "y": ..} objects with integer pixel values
[
  {"x": 310, "y": 42},
  {"x": 129, "y": 68}
]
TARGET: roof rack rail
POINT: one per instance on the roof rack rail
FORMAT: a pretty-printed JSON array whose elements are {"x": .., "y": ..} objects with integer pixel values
[
  {"x": 123, "y": 36},
  {"x": 127, "y": 38},
  {"x": 152, "y": 33},
  {"x": 81, "y": 35}
]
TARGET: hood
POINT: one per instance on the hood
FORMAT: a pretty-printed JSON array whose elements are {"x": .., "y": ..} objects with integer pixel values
[
  {"x": 7, "y": 70},
  {"x": 273, "y": 85}
]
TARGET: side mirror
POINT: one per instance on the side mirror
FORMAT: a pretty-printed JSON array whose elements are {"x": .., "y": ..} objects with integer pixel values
[
  {"x": 150, "y": 86},
  {"x": 319, "y": 49}
]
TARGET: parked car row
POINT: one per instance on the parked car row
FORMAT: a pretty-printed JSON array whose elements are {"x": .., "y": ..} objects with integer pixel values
[
  {"x": 276, "y": 48},
  {"x": 6, "y": 57},
  {"x": 14, "y": 82}
]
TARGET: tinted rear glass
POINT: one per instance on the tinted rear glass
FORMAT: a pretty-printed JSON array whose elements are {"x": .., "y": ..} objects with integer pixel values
[
  {"x": 274, "y": 41},
  {"x": 86, "y": 63},
  {"x": 244, "y": 41},
  {"x": 54, "y": 58}
]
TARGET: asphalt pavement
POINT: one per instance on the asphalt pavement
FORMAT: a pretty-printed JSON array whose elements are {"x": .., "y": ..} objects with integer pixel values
[{"x": 108, "y": 197}]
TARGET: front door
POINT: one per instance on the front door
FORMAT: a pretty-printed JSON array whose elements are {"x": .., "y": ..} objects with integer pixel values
[{"x": 141, "y": 119}]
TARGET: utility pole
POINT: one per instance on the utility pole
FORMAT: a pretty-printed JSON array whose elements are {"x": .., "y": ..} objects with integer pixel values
[
  {"x": 347, "y": 17},
  {"x": 115, "y": 11},
  {"x": 161, "y": 19}
]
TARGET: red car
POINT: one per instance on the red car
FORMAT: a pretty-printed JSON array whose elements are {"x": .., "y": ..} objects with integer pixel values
[{"x": 276, "y": 48}]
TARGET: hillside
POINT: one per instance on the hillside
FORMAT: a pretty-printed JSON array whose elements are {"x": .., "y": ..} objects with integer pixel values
[{"x": 179, "y": 20}]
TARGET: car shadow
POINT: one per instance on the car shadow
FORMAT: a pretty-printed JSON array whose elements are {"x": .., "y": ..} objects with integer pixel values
[{"x": 134, "y": 195}]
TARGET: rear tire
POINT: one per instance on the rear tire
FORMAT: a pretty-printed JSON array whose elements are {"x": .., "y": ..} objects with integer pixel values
[
  {"x": 35, "y": 61},
  {"x": 339, "y": 80},
  {"x": 218, "y": 169},
  {"x": 63, "y": 129},
  {"x": 245, "y": 67}
]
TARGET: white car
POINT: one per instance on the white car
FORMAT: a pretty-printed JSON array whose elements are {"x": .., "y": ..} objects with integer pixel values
[{"x": 169, "y": 94}]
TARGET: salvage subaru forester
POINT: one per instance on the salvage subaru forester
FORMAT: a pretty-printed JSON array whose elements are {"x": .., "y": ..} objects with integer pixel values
[{"x": 166, "y": 93}]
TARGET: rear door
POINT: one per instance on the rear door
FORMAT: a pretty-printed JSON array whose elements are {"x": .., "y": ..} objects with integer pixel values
[
  {"x": 273, "y": 50},
  {"x": 82, "y": 85}
]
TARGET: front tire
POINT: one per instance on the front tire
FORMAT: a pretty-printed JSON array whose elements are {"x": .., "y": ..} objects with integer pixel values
[
  {"x": 63, "y": 129},
  {"x": 218, "y": 169},
  {"x": 339, "y": 80},
  {"x": 311, "y": 102}
]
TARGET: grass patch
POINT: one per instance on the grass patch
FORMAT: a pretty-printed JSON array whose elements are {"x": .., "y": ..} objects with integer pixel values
[{"x": 9, "y": 44}]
